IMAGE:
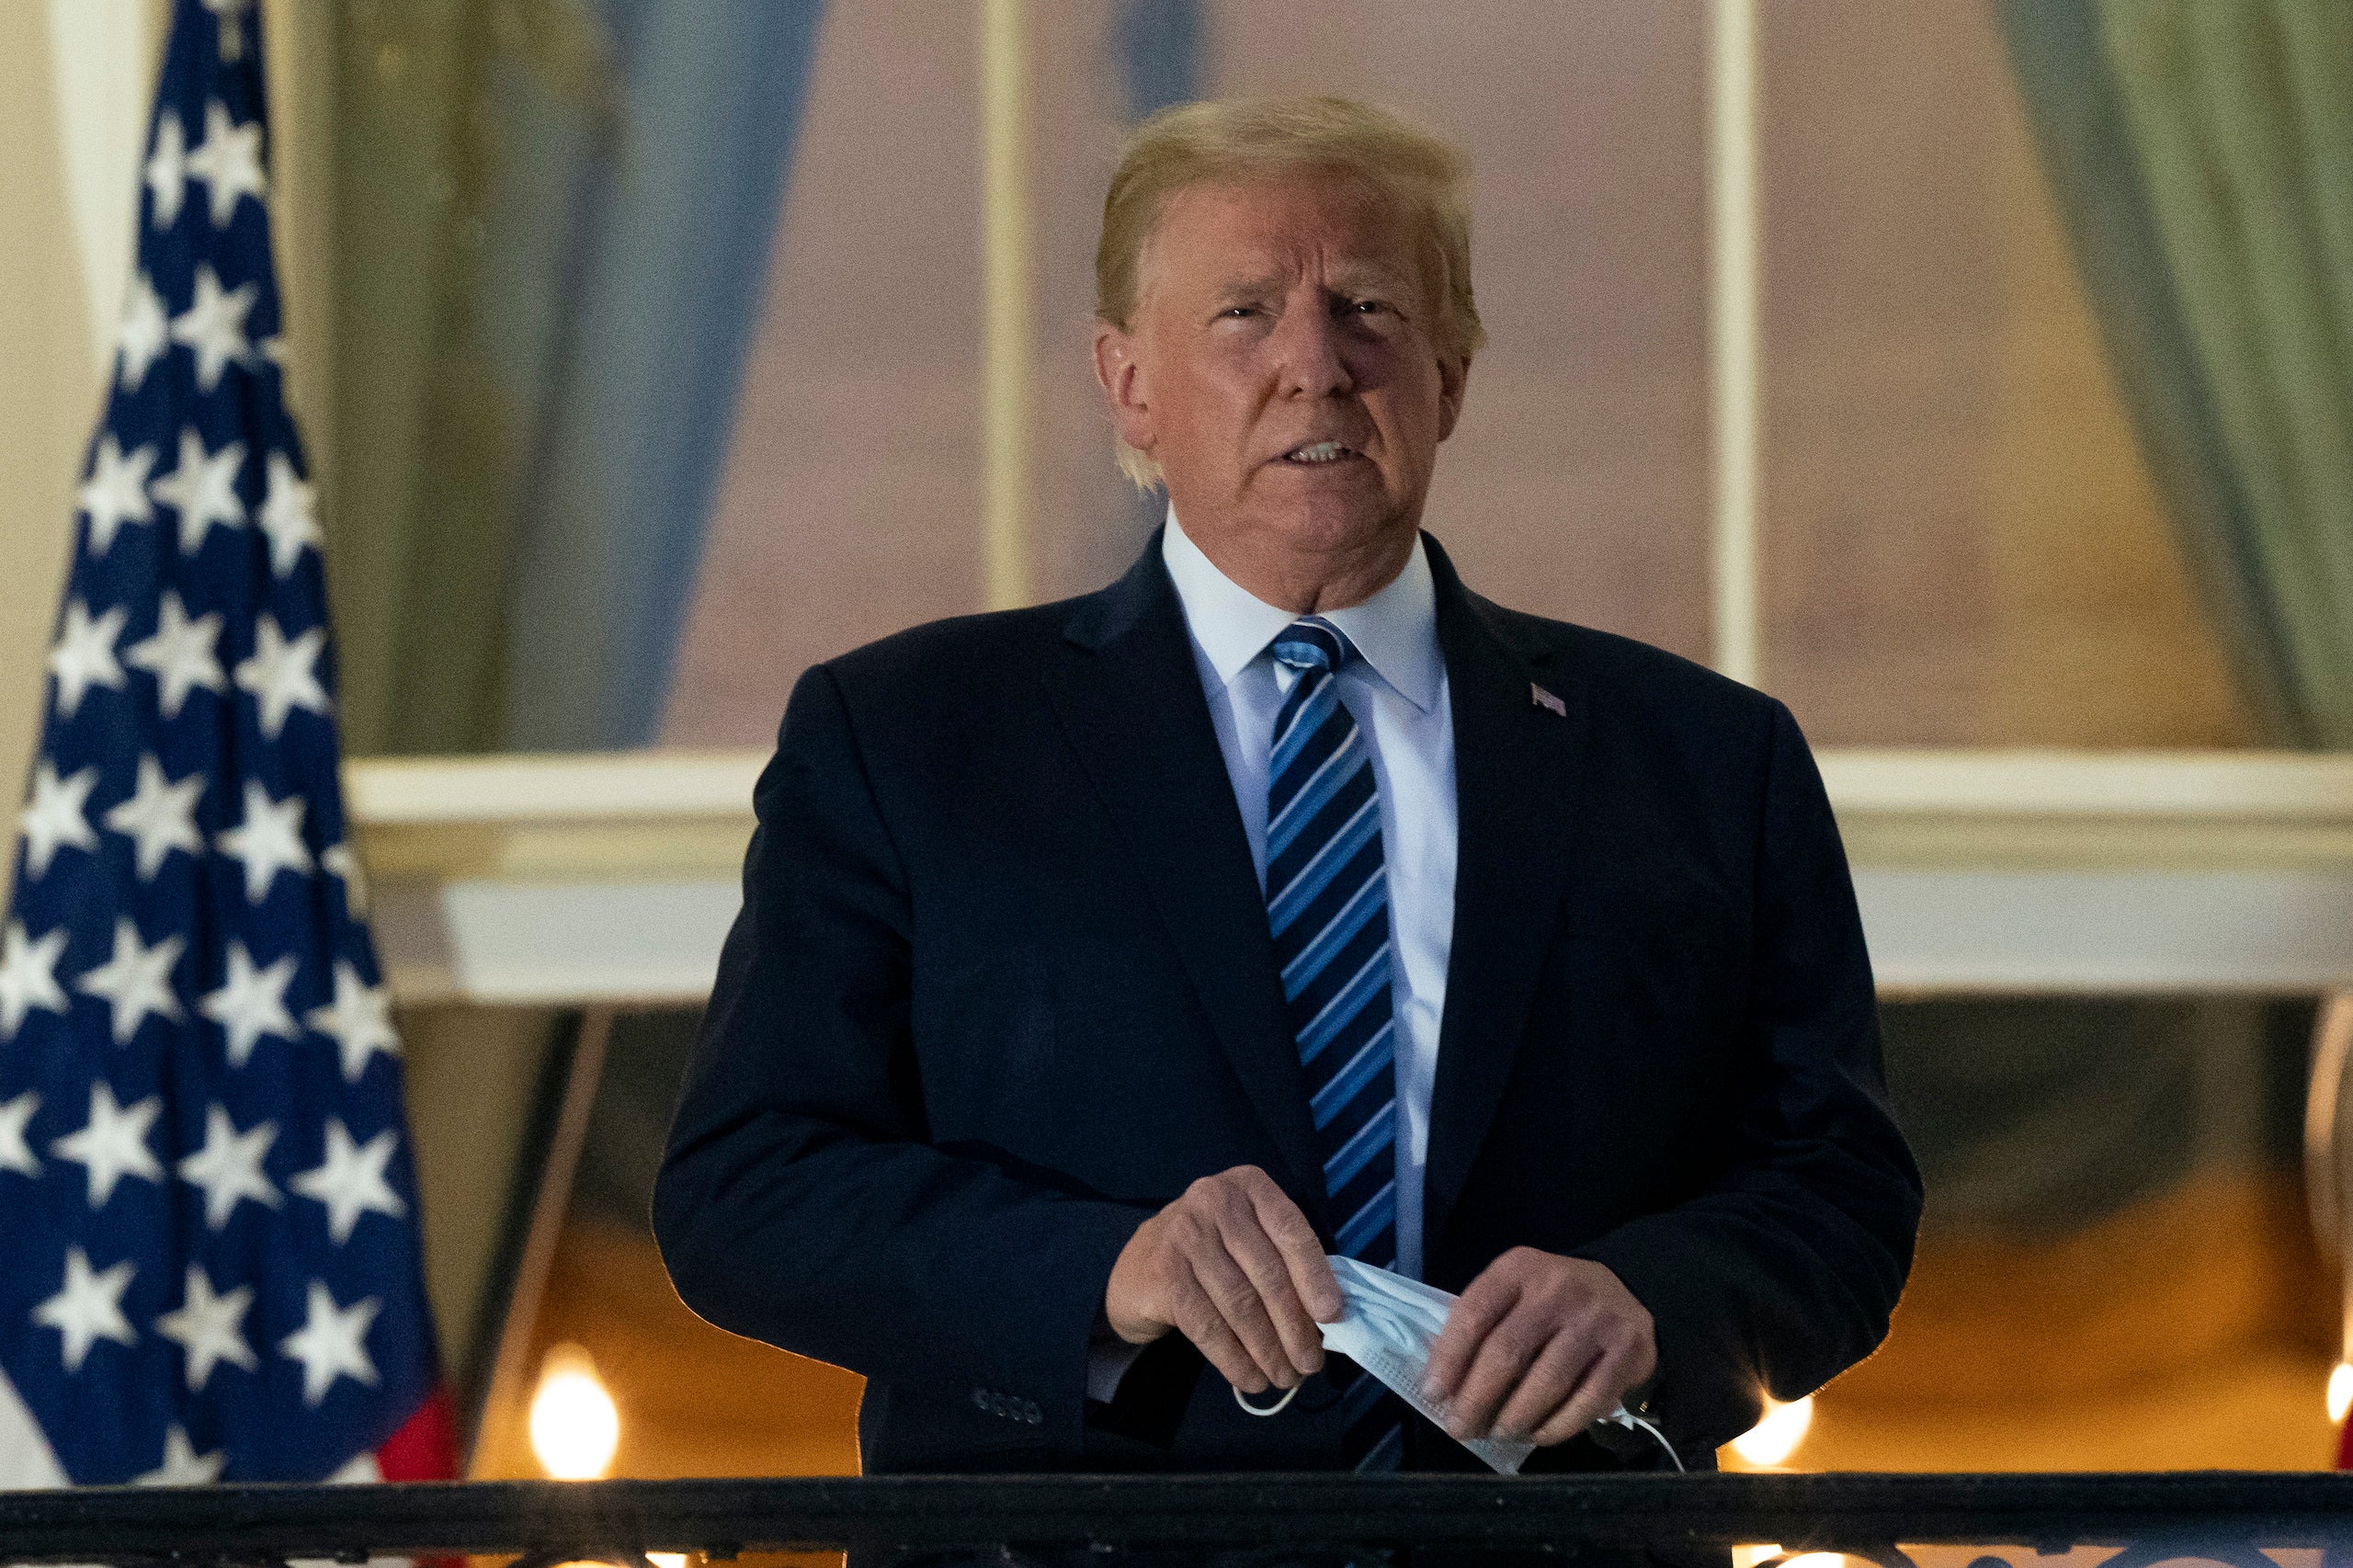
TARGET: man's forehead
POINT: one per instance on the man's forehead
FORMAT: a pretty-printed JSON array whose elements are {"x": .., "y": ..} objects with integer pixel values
[{"x": 1267, "y": 232}]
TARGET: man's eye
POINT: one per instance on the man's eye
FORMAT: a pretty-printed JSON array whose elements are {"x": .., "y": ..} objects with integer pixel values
[{"x": 1236, "y": 312}]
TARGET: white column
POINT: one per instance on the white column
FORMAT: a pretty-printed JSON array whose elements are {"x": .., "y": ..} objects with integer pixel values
[
  {"x": 102, "y": 56},
  {"x": 1006, "y": 288},
  {"x": 1732, "y": 348}
]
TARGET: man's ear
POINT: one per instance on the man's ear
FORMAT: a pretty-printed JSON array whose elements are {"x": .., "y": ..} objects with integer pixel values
[
  {"x": 1122, "y": 382},
  {"x": 1453, "y": 379}
]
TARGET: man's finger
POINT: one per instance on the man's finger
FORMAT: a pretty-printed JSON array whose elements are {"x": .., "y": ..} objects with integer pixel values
[
  {"x": 1270, "y": 1275},
  {"x": 1597, "y": 1393},
  {"x": 1502, "y": 1356},
  {"x": 1229, "y": 1289},
  {"x": 1199, "y": 1320},
  {"x": 1468, "y": 1322},
  {"x": 1310, "y": 1272},
  {"x": 1544, "y": 1389}
]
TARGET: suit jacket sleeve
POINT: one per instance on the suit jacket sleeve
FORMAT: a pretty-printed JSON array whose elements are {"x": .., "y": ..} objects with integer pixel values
[
  {"x": 801, "y": 1201},
  {"x": 1784, "y": 1271}
]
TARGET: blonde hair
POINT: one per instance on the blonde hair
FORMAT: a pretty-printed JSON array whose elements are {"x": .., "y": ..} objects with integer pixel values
[{"x": 1426, "y": 176}]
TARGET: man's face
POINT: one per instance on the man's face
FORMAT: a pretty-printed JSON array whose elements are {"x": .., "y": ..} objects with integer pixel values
[{"x": 1281, "y": 367}]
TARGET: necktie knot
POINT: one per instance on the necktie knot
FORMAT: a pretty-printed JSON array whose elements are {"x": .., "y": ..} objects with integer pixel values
[{"x": 1311, "y": 644}]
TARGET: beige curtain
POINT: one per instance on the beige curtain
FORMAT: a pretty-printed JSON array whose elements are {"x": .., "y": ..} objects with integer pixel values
[{"x": 2203, "y": 154}]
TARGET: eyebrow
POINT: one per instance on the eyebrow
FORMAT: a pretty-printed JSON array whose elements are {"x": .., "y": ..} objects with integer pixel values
[{"x": 1368, "y": 277}]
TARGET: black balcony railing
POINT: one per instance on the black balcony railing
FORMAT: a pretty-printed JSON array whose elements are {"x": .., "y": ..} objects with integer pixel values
[{"x": 2227, "y": 1517}]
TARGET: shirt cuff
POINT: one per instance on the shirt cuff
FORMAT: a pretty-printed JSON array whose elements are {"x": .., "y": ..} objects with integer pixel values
[{"x": 1107, "y": 1360}]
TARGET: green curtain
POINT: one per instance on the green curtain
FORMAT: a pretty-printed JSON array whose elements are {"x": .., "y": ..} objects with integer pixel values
[
  {"x": 463, "y": 133},
  {"x": 2202, "y": 155}
]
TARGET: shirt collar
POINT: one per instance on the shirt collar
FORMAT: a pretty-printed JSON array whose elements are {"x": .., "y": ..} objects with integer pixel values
[{"x": 1396, "y": 631}]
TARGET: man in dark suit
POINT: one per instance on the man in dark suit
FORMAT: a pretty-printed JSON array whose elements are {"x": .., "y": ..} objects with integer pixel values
[{"x": 1104, "y": 965}]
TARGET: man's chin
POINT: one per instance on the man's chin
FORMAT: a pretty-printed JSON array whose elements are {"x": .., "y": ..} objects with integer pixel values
[{"x": 1336, "y": 522}]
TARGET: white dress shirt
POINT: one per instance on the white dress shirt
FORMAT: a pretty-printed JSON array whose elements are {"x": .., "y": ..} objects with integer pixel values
[{"x": 1396, "y": 691}]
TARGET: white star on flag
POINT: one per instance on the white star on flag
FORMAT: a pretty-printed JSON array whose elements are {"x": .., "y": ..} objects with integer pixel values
[
  {"x": 288, "y": 515},
  {"x": 116, "y": 492},
  {"x": 210, "y": 1328},
  {"x": 90, "y": 1308},
  {"x": 360, "y": 1021},
  {"x": 228, "y": 1168},
  {"x": 55, "y": 818},
  {"x": 214, "y": 325},
  {"x": 231, "y": 17},
  {"x": 202, "y": 488},
  {"x": 159, "y": 817},
  {"x": 137, "y": 981},
  {"x": 144, "y": 335},
  {"x": 251, "y": 1002},
  {"x": 283, "y": 675},
  {"x": 270, "y": 840},
  {"x": 167, "y": 175},
  {"x": 332, "y": 1343},
  {"x": 350, "y": 1181},
  {"x": 83, "y": 655},
  {"x": 113, "y": 1144},
  {"x": 182, "y": 1466},
  {"x": 15, "y": 1154},
  {"x": 229, "y": 162},
  {"x": 337, "y": 860},
  {"x": 180, "y": 655},
  {"x": 28, "y": 976}
]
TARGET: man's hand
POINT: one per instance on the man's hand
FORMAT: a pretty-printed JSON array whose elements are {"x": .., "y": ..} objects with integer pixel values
[
  {"x": 1235, "y": 1267},
  {"x": 1538, "y": 1349}
]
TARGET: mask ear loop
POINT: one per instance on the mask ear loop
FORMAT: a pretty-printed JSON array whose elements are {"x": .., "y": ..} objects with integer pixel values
[{"x": 1274, "y": 1409}]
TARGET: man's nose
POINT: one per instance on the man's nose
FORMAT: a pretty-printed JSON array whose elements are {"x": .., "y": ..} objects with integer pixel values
[{"x": 1311, "y": 354}]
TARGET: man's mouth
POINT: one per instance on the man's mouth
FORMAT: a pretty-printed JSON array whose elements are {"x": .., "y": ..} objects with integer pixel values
[{"x": 1316, "y": 452}]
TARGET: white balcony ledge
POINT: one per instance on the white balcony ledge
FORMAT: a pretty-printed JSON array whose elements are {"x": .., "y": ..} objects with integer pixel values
[{"x": 611, "y": 879}]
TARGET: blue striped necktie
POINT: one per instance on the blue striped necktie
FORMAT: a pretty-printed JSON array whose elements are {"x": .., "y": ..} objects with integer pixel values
[{"x": 1327, "y": 900}]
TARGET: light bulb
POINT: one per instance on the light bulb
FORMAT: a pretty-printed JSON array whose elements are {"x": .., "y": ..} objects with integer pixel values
[
  {"x": 2340, "y": 1392},
  {"x": 574, "y": 1428},
  {"x": 1772, "y": 1440}
]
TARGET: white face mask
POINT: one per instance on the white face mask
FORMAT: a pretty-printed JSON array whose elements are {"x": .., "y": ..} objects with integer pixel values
[{"x": 1387, "y": 1326}]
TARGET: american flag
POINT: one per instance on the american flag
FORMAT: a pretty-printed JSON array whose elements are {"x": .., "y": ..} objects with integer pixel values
[{"x": 209, "y": 1263}]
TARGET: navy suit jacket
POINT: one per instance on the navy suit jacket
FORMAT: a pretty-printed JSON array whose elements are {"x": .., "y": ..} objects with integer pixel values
[{"x": 1001, "y": 986}]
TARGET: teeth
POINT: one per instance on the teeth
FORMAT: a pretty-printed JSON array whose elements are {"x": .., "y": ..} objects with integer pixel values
[{"x": 1320, "y": 452}]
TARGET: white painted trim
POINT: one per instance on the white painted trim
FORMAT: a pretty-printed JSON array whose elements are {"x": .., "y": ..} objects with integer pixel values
[
  {"x": 509, "y": 788},
  {"x": 2173, "y": 931},
  {"x": 550, "y": 943},
  {"x": 611, "y": 879},
  {"x": 1735, "y": 352},
  {"x": 2222, "y": 785},
  {"x": 1007, "y": 220}
]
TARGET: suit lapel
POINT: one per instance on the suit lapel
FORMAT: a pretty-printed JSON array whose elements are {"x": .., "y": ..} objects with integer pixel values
[
  {"x": 1516, "y": 768},
  {"x": 1129, "y": 698}
]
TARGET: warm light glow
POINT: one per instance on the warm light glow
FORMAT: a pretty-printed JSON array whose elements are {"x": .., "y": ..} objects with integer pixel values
[
  {"x": 1816, "y": 1559},
  {"x": 1772, "y": 1440},
  {"x": 1750, "y": 1556},
  {"x": 574, "y": 1428},
  {"x": 2340, "y": 1392},
  {"x": 666, "y": 1559}
]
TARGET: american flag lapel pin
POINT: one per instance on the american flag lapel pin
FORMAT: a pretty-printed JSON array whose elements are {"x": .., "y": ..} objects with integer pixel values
[{"x": 1545, "y": 699}]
